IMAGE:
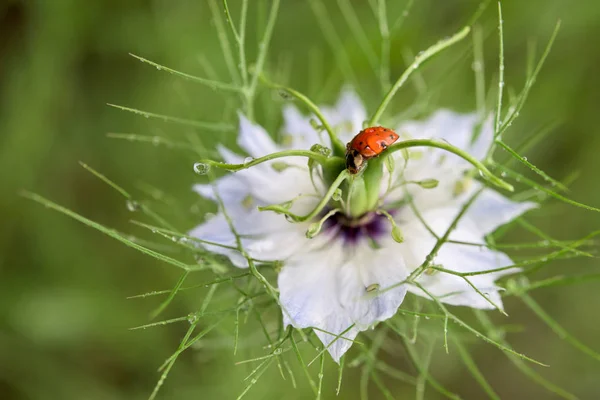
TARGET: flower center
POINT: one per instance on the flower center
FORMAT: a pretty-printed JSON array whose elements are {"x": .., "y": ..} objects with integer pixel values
[{"x": 370, "y": 226}]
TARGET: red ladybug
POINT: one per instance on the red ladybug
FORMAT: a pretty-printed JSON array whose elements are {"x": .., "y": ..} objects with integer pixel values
[{"x": 369, "y": 143}]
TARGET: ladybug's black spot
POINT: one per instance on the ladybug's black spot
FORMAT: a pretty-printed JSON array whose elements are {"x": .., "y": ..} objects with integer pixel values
[
  {"x": 383, "y": 145},
  {"x": 360, "y": 143},
  {"x": 392, "y": 137},
  {"x": 385, "y": 129}
]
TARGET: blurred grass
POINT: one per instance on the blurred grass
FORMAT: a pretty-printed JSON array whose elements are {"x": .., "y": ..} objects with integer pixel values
[{"x": 63, "y": 292}]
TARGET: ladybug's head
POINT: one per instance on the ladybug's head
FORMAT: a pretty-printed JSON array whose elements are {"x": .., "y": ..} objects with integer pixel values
[{"x": 354, "y": 161}]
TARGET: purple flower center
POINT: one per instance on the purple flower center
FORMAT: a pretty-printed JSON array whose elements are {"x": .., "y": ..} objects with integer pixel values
[{"x": 370, "y": 226}]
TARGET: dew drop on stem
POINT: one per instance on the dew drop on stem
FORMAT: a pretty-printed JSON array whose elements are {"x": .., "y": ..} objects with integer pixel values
[
  {"x": 201, "y": 168},
  {"x": 132, "y": 205}
]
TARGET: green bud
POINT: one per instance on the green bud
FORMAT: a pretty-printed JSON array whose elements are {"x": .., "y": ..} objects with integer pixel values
[
  {"x": 462, "y": 186},
  {"x": 397, "y": 234},
  {"x": 431, "y": 270},
  {"x": 316, "y": 125},
  {"x": 390, "y": 163},
  {"x": 428, "y": 183},
  {"x": 373, "y": 287},
  {"x": 396, "y": 231},
  {"x": 416, "y": 155},
  {"x": 313, "y": 229},
  {"x": 405, "y": 154},
  {"x": 287, "y": 140},
  {"x": 279, "y": 166},
  {"x": 247, "y": 201}
]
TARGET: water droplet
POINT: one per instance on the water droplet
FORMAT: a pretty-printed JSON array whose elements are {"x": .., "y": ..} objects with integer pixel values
[
  {"x": 337, "y": 195},
  {"x": 201, "y": 168},
  {"x": 278, "y": 351},
  {"x": 192, "y": 319},
  {"x": 503, "y": 174},
  {"x": 133, "y": 205},
  {"x": 248, "y": 160}
]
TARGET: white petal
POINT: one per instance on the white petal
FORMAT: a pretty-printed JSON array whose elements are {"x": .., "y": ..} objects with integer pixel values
[
  {"x": 456, "y": 290},
  {"x": 457, "y": 129},
  {"x": 491, "y": 210},
  {"x": 298, "y": 127},
  {"x": 254, "y": 139},
  {"x": 328, "y": 290},
  {"x": 347, "y": 116},
  {"x": 230, "y": 188},
  {"x": 382, "y": 267},
  {"x": 308, "y": 294},
  {"x": 460, "y": 258}
]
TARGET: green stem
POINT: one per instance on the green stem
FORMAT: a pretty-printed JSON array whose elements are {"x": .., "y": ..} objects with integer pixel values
[
  {"x": 320, "y": 158},
  {"x": 338, "y": 147},
  {"x": 422, "y": 57},
  {"x": 301, "y": 218},
  {"x": 455, "y": 150}
]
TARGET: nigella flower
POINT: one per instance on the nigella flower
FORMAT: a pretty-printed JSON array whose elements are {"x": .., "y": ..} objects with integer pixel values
[{"x": 344, "y": 269}]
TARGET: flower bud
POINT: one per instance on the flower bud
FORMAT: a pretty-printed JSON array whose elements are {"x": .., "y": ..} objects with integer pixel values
[{"x": 428, "y": 183}]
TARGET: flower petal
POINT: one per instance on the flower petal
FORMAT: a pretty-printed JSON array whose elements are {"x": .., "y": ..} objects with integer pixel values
[
  {"x": 491, "y": 210},
  {"x": 299, "y": 129},
  {"x": 456, "y": 129},
  {"x": 308, "y": 295},
  {"x": 254, "y": 139},
  {"x": 455, "y": 290},
  {"x": 347, "y": 116},
  {"x": 327, "y": 290},
  {"x": 361, "y": 278}
]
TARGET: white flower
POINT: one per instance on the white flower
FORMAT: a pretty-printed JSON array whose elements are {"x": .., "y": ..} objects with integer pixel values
[{"x": 326, "y": 281}]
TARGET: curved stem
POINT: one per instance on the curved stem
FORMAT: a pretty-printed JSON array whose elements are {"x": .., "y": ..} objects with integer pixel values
[
  {"x": 301, "y": 218},
  {"x": 320, "y": 158},
  {"x": 422, "y": 57},
  {"x": 338, "y": 147},
  {"x": 455, "y": 150}
]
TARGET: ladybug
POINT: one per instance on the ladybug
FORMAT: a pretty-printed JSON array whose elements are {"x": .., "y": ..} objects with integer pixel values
[{"x": 369, "y": 143}]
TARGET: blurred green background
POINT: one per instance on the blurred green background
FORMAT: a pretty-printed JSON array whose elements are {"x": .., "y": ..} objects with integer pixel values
[{"x": 63, "y": 308}]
